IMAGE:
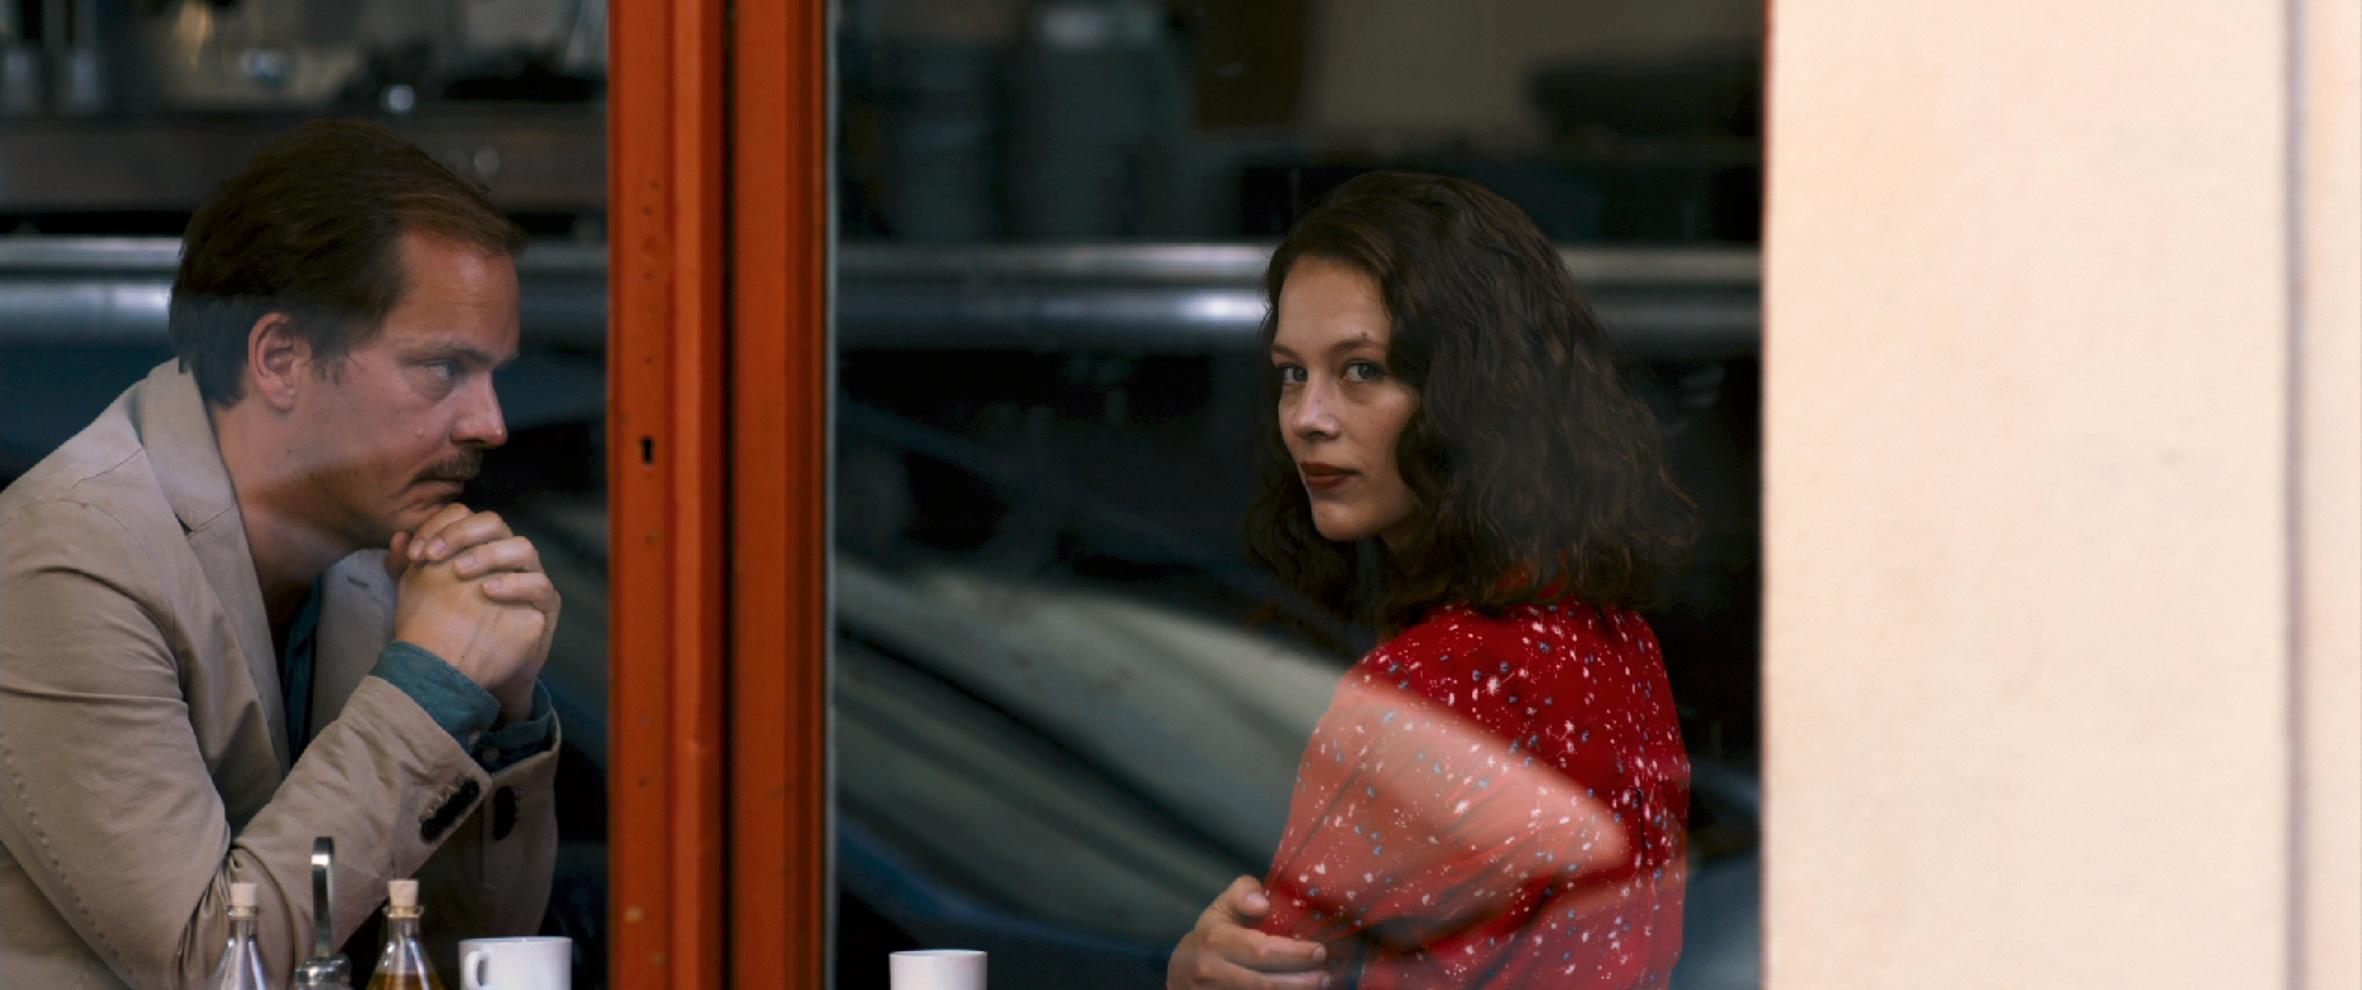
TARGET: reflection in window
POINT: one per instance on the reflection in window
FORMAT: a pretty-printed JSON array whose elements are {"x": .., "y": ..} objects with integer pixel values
[
  {"x": 1060, "y": 730},
  {"x": 120, "y": 118}
]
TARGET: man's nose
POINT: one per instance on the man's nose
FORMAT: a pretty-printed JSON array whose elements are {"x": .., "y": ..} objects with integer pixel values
[{"x": 482, "y": 423}]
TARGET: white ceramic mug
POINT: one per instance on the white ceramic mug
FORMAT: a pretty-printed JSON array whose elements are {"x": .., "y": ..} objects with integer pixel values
[
  {"x": 937, "y": 969},
  {"x": 533, "y": 963}
]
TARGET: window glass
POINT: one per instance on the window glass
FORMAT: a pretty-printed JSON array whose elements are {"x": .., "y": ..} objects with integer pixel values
[
  {"x": 121, "y": 118},
  {"x": 1064, "y": 718}
]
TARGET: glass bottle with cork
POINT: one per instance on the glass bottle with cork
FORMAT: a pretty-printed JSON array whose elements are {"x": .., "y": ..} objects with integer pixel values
[
  {"x": 241, "y": 963},
  {"x": 403, "y": 965}
]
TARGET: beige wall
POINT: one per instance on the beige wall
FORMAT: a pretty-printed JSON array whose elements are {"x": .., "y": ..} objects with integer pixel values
[
  {"x": 2330, "y": 468},
  {"x": 2044, "y": 494}
]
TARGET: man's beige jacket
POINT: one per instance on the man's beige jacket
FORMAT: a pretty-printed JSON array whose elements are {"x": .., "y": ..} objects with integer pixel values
[{"x": 144, "y": 754}]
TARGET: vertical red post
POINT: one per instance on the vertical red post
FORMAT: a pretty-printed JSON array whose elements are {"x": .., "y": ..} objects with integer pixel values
[
  {"x": 666, "y": 471},
  {"x": 779, "y": 445}
]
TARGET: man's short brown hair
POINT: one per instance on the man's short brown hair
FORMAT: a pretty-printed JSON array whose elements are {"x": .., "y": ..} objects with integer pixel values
[{"x": 311, "y": 229}]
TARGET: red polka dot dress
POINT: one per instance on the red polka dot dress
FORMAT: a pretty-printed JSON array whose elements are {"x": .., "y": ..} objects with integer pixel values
[{"x": 1493, "y": 801}]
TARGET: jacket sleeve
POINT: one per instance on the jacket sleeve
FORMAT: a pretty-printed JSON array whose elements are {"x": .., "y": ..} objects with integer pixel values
[
  {"x": 108, "y": 804},
  {"x": 1412, "y": 822},
  {"x": 492, "y": 875}
]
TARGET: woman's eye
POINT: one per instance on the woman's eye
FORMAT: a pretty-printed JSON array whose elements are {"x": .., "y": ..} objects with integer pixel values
[
  {"x": 1290, "y": 374},
  {"x": 1364, "y": 371}
]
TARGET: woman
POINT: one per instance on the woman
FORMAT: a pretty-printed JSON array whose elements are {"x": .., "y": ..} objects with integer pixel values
[{"x": 1498, "y": 794}]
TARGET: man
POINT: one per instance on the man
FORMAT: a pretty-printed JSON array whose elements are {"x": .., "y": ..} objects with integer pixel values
[{"x": 208, "y": 655}]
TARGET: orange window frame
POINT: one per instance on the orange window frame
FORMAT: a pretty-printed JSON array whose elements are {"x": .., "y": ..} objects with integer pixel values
[{"x": 717, "y": 439}]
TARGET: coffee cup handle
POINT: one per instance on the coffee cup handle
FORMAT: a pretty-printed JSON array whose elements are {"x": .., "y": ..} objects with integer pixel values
[{"x": 468, "y": 980}]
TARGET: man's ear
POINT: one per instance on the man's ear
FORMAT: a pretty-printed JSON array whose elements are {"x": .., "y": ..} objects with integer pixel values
[{"x": 278, "y": 360}]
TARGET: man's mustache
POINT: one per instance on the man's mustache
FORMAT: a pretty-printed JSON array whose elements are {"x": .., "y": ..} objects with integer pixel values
[{"x": 461, "y": 469}]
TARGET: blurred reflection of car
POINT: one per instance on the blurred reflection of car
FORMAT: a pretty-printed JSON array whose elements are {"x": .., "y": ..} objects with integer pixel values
[{"x": 1064, "y": 776}]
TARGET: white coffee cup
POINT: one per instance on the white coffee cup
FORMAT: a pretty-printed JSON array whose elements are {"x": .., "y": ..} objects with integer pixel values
[
  {"x": 937, "y": 969},
  {"x": 531, "y": 963}
]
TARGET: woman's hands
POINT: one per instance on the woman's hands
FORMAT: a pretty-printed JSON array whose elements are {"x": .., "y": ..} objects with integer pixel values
[{"x": 1225, "y": 952}]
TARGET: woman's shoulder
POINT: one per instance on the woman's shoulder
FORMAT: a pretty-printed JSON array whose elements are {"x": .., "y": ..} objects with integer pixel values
[
  {"x": 1529, "y": 624},
  {"x": 1538, "y": 641}
]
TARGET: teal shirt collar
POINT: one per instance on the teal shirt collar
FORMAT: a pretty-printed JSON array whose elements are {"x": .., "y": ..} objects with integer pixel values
[{"x": 295, "y": 671}]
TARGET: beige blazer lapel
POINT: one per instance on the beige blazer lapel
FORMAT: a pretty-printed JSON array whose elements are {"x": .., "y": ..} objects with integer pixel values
[
  {"x": 178, "y": 433},
  {"x": 356, "y": 623}
]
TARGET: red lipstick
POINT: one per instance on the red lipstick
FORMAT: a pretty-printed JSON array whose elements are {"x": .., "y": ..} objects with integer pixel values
[{"x": 1323, "y": 478}]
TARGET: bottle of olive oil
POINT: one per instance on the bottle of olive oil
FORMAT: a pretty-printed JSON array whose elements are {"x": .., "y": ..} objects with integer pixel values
[{"x": 403, "y": 966}]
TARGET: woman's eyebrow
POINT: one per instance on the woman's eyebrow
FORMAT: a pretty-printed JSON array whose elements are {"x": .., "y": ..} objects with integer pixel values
[{"x": 1340, "y": 347}]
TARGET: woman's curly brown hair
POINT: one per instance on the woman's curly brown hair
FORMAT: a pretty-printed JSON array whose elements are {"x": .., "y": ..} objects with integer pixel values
[{"x": 1537, "y": 472}]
